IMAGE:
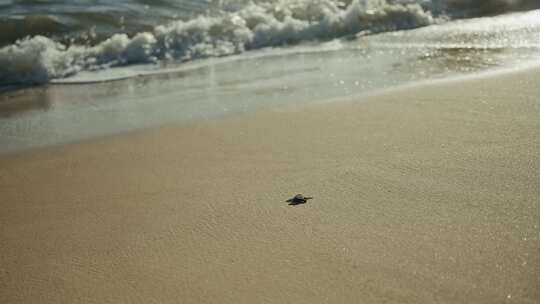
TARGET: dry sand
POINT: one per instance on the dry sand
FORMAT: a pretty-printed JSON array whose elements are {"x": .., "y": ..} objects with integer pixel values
[{"x": 428, "y": 194}]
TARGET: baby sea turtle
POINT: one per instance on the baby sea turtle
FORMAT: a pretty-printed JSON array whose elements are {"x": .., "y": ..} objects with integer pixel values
[{"x": 298, "y": 199}]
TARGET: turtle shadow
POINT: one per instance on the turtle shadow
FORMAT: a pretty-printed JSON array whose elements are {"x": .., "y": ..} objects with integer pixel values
[{"x": 292, "y": 202}]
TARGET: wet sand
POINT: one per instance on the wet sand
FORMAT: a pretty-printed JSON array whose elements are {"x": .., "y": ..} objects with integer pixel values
[{"x": 428, "y": 194}]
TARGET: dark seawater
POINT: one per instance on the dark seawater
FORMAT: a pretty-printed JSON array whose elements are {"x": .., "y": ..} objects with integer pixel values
[
  {"x": 90, "y": 21},
  {"x": 44, "y": 40}
]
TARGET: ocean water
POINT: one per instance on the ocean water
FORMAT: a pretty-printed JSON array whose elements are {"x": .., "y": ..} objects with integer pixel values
[
  {"x": 70, "y": 70},
  {"x": 45, "y": 40}
]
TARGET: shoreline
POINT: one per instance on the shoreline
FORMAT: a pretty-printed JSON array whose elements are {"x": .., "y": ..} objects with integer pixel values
[
  {"x": 418, "y": 85},
  {"x": 421, "y": 195}
]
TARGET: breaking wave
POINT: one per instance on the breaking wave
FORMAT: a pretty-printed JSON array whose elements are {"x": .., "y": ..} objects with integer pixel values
[{"x": 38, "y": 59}]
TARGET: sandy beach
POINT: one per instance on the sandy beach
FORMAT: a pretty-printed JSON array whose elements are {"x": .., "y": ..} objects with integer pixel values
[{"x": 426, "y": 194}]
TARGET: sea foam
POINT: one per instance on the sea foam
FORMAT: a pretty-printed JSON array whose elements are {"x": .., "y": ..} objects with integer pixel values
[{"x": 38, "y": 59}]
